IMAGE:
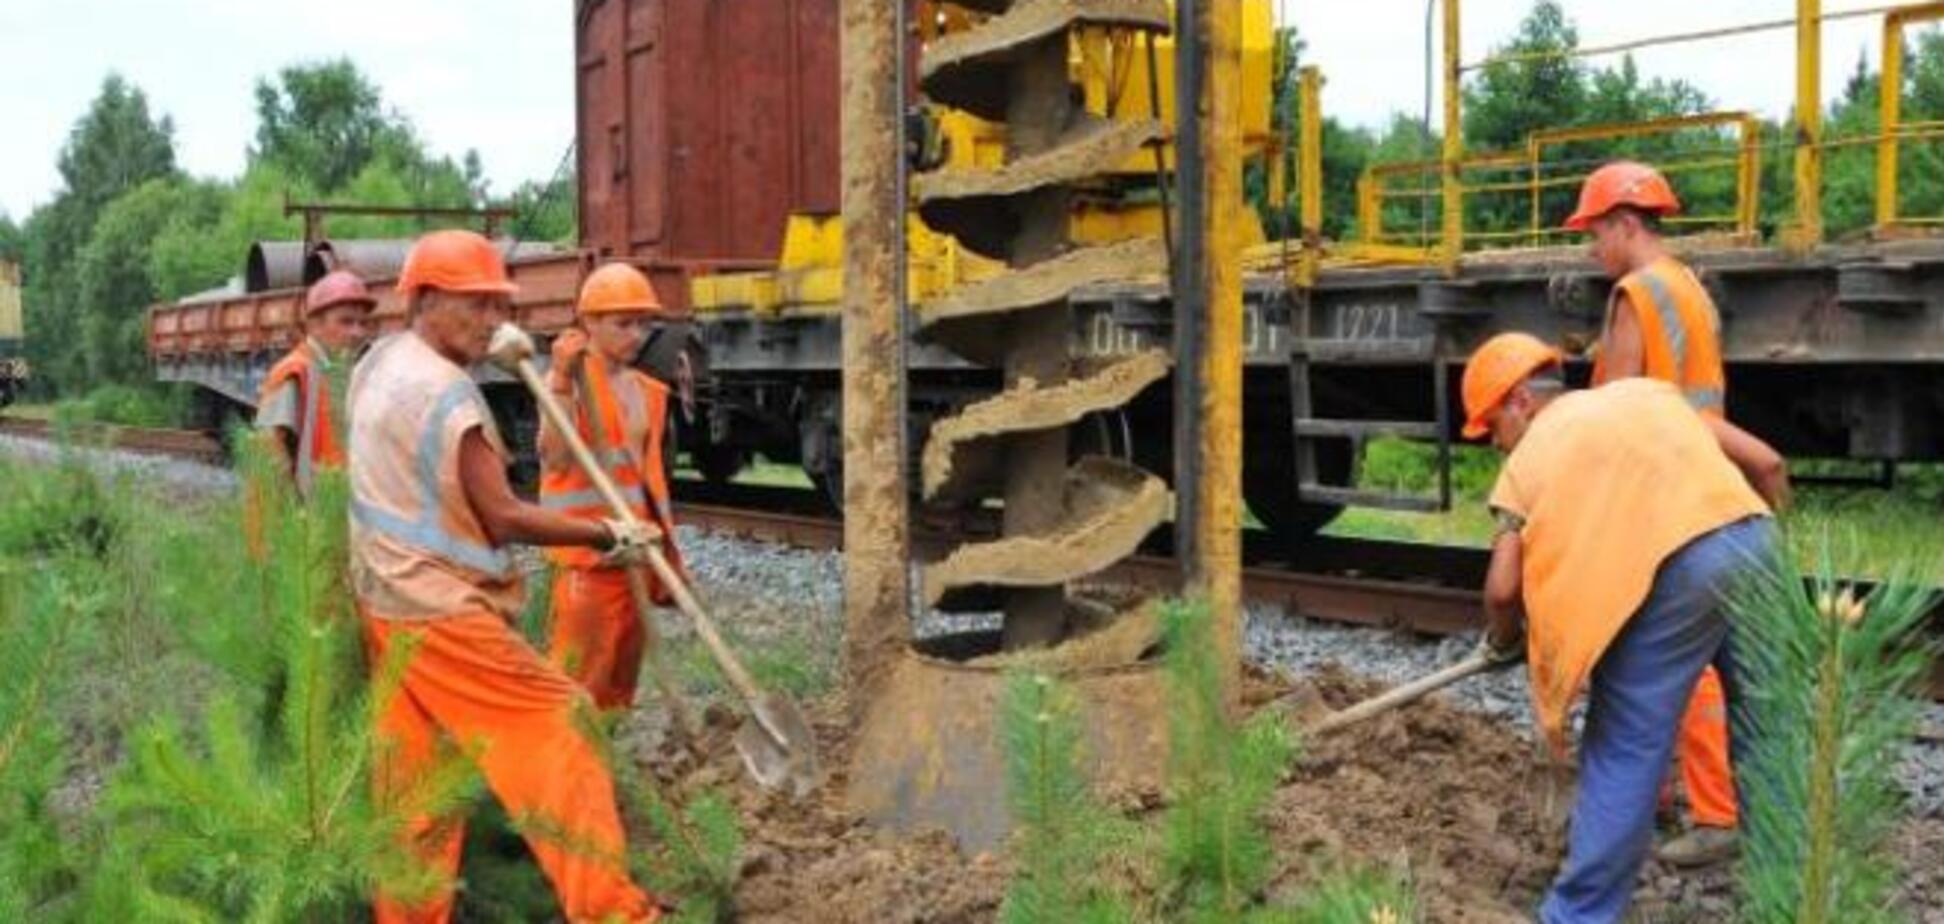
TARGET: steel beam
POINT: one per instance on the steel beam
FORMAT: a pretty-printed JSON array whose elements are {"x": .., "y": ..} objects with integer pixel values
[
  {"x": 1808, "y": 113},
  {"x": 877, "y": 537},
  {"x": 1454, "y": 142},
  {"x": 1208, "y": 325}
]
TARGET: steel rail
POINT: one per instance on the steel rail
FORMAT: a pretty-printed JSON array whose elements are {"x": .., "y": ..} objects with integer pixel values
[
  {"x": 1435, "y": 609},
  {"x": 192, "y": 445}
]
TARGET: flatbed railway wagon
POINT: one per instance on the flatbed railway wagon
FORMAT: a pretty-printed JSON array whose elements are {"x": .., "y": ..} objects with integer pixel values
[
  {"x": 708, "y": 154},
  {"x": 13, "y": 335}
]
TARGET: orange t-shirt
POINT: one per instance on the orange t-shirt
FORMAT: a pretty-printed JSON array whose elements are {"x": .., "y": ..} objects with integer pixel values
[
  {"x": 1608, "y": 482},
  {"x": 417, "y": 549}
]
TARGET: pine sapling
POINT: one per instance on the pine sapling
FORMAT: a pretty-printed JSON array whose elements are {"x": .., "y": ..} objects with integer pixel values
[
  {"x": 1358, "y": 895},
  {"x": 223, "y": 817},
  {"x": 1832, "y": 683},
  {"x": 37, "y": 614},
  {"x": 1060, "y": 832},
  {"x": 1221, "y": 776}
]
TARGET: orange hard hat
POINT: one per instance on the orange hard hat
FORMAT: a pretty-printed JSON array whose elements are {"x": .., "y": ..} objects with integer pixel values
[
  {"x": 455, "y": 261},
  {"x": 1495, "y": 369},
  {"x": 1623, "y": 182},
  {"x": 618, "y": 287},
  {"x": 338, "y": 287}
]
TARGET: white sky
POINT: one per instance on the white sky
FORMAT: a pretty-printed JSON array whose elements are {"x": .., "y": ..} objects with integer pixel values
[{"x": 497, "y": 75}]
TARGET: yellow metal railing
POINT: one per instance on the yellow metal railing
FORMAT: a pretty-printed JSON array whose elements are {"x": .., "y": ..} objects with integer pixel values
[
  {"x": 1454, "y": 178},
  {"x": 1890, "y": 111},
  {"x": 1528, "y": 175}
]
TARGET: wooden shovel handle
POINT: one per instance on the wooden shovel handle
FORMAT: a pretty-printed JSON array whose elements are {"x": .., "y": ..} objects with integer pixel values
[{"x": 1403, "y": 694}]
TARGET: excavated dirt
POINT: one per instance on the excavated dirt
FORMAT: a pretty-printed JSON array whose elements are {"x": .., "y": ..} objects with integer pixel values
[
  {"x": 1048, "y": 281},
  {"x": 958, "y": 69},
  {"x": 812, "y": 861},
  {"x": 1110, "y": 507},
  {"x": 1458, "y": 800},
  {"x": 1028, "y": 407},
  {"x": 1471, "y": 810},
  {"x": 1083, "y": 151}
]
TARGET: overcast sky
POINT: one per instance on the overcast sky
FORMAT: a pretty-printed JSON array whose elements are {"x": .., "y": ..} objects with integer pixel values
[{"x": 497, "y": 75}]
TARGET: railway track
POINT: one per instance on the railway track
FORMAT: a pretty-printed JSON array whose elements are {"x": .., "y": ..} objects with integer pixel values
[
  {"x": 193, "y": 445},
  {"x": 1375, "y": 594},
  {"x": 1410, "y": 587}
]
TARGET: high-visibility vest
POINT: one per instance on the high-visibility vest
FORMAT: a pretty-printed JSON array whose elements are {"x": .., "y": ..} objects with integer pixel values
[
  {"x": 1609, "y": 482},
  {"x": 632, "y": 457},
  {"x": 418, "y": 551},
  {"x": 1680, "y": 332},
  {"x": 318, "y": 443}
]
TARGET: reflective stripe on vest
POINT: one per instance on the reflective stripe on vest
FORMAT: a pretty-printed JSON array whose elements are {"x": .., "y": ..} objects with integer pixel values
[
  {"x": 428, "y": 532},
  {"x": 1702, "y": 387},
  {"x": 592, "y": 497},
  {"x": 1670, "y": 318}
]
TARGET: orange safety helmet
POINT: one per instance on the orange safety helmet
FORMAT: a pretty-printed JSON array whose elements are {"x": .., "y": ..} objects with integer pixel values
[
  {"x": 618, "y": 287},
  {"x": 455, "y": 261},
  {"x": 1495, "y": 369},
  {"x": 338, "y": 287},
  {"x": 1623, "y": 182}
]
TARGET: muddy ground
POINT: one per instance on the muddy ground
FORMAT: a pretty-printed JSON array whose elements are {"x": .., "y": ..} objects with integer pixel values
[{"x": 1461, "y": 802}]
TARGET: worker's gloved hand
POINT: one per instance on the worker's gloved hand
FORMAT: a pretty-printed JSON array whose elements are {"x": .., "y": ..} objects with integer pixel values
[
  {"x": 509, "y": 346},
  {"x": 566, "y": 352},
  {"x": 1505, "y": 652},
  {"x": 632, "y": 542}
]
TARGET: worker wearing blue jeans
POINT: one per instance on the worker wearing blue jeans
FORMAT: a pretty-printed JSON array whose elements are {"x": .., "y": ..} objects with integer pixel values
[
  {"x": 1640, "y": 686},
  {"x": 1624, "y": 518}
]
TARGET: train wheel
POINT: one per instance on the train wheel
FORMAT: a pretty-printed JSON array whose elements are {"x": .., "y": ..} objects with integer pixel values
[
  {"x": 821, "y": 448},
  {"x": 1269, "y": 484},
  {"x": 719, "y": 464}
]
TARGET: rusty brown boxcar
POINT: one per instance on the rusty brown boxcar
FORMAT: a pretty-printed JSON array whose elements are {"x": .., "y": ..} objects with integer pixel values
[{"x": 702, "y": 125}]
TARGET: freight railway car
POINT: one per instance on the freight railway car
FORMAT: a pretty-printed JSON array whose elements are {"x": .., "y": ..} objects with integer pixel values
[
  {"x": 13, "y": 359},
  {"x": 708, "y": 154}
]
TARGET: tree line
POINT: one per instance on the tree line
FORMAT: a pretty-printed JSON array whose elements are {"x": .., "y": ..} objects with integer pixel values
[
  {"x": 128, "y": 227},
  {"x": 1508, "y": 100}
]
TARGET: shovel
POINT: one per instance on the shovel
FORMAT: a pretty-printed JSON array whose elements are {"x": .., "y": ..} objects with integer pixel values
[
  {"x": 1406, "y": 693},
  {"x": 777, "y": 748},
  {"x": 645, "y": 609}
]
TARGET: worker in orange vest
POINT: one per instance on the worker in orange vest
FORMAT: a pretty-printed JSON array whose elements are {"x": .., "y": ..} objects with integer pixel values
[
  {"x": 1661, "y": 323},
  {"x": 431, "y": 514},
  {"x": 597, "y": 636},
  {"x": 1623, "y": 517},
  {"x": 296, "y": 407}
]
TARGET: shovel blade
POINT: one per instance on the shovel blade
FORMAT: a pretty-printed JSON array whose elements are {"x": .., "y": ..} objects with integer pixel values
[{"x": 789, "y": 764}]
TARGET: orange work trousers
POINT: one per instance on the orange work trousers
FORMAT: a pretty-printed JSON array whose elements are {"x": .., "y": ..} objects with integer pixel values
[
  {"x": 1702, "y": 752},
  {"x": 597, "y": 636},
  {"x": 471, "y": 684}
]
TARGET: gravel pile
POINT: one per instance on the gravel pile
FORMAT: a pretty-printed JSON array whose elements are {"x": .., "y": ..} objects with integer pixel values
[{"x": 173, "y": 474}]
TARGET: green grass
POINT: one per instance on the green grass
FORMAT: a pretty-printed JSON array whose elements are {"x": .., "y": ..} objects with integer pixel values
[
  {"x": 1867, "y": 529},
  {"x": 31, "y": 411},
  {"x": 762, "y": 472}
]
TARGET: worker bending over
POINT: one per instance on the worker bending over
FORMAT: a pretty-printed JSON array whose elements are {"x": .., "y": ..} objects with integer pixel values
[
  {"x": 296, "y": 408},
  {"x": 598, "y": 635},
  {"x": 1624, "y": 518},
  {"x": 1661, "y": 323},
  {"x": 431, "y": 515}
]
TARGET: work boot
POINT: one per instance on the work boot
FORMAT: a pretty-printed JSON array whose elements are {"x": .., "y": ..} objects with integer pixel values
[{"x": 1702, "y": 846}]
